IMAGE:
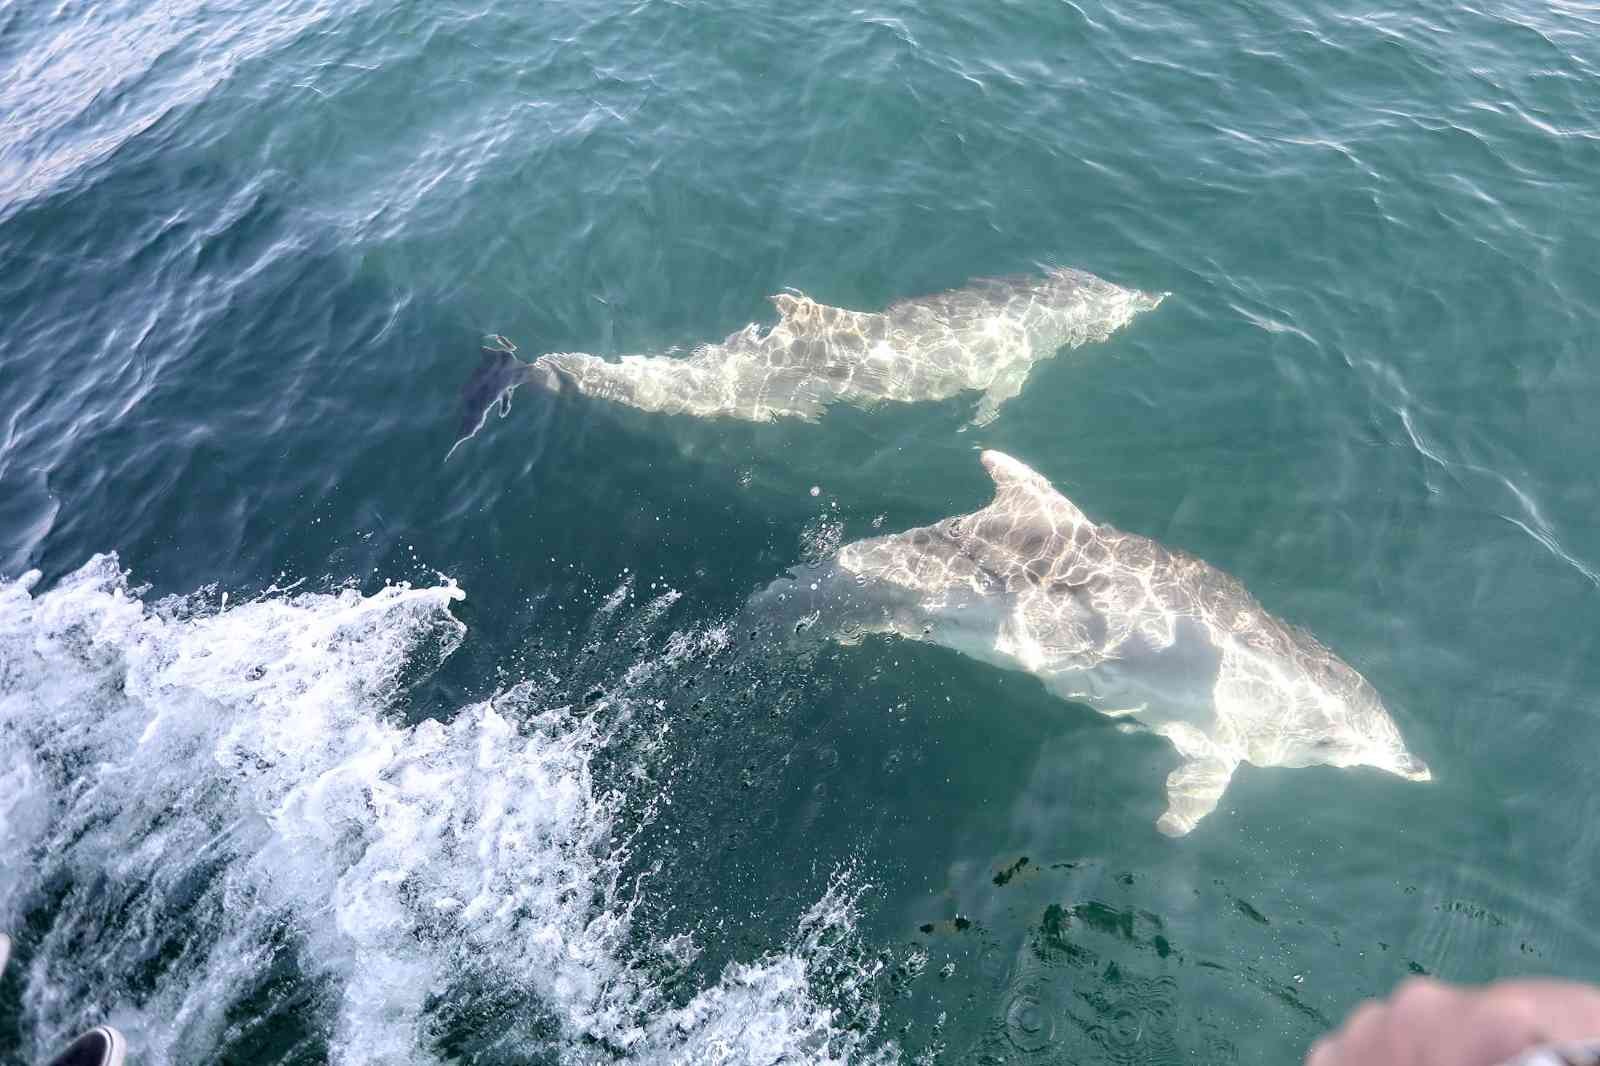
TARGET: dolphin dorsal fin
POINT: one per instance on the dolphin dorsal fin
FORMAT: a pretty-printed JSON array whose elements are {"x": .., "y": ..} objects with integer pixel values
[{"x": 1019, "y": 486}]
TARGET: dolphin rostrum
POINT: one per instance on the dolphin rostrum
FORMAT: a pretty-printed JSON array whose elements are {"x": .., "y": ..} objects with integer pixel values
[
  {"x": 1110, "y": 619},
  {"x": 985, "y": 336}
]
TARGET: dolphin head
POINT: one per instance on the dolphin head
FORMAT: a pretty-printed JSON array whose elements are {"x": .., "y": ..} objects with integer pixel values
[
  {"x": 1068, "y": 308},
  {"x": 1096, "y": 307},
  {"x": 1372, "y": 741},
  {"x": 1339, "y": 720}
]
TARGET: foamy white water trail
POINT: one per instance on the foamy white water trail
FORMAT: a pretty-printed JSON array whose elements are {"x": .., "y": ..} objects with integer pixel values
[{"x": 214, "y": 821}]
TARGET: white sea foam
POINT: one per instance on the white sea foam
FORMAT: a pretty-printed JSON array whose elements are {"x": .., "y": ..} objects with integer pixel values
[{"x": 196, "y": 803}]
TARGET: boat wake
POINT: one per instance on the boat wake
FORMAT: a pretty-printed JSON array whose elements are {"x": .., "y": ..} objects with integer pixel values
[{"x": 222, "y": 836}]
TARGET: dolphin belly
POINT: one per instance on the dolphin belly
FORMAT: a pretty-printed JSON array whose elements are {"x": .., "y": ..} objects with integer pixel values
[{"x": 1156, "y": 683}]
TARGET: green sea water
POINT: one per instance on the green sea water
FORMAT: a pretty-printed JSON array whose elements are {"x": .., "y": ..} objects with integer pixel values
[{"x": 248, "y": 253}]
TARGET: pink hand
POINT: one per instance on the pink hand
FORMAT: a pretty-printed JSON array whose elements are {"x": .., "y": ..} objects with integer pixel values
[{"x": 1428, "y": 1023}]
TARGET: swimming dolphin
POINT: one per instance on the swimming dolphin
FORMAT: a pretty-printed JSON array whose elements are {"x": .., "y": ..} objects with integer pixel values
[
  {"x": 985, "y": 336},
  {"x": 1110, "y": 619}
]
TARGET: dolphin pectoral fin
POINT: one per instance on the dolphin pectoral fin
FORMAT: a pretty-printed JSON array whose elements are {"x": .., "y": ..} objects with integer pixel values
[
  {"x": 1005, "y": 386},
  {"x": 1196, "y": 786},
  {"x": 1193, "y": 791}
]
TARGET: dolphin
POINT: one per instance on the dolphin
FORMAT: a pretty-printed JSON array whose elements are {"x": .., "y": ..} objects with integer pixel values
[
  {"x": 1109, "y": 619},
  {"x": 983, "y": 337}
]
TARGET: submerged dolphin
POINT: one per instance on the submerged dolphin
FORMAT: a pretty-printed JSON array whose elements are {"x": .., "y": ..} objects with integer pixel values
[
  {"x": 1113, "y": 620},
  {"x": 986, "y": 336}
]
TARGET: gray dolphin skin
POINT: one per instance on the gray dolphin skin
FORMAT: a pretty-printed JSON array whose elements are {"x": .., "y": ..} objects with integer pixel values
[
  {"x": 983, "y": 337},
  {"x": 1110, "y": 619}
]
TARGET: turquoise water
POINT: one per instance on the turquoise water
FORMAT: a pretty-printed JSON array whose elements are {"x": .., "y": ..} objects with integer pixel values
[{"x": 249, "y": 252}]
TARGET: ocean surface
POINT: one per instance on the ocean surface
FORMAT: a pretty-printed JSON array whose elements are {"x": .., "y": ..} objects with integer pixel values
[{"x": 317, "y": 747}]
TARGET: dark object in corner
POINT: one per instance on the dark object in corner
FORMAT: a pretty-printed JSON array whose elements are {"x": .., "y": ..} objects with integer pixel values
[{"x": 100, "y": 1046}]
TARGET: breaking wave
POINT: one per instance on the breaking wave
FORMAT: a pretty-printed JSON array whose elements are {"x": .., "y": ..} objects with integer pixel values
[{"x": 221, "y": 834}]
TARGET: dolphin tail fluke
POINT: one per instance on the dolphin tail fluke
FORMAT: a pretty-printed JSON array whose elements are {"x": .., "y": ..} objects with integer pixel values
[
  {"x": 497, "y": 376},
  {"x": 1194, "y": 788}
]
